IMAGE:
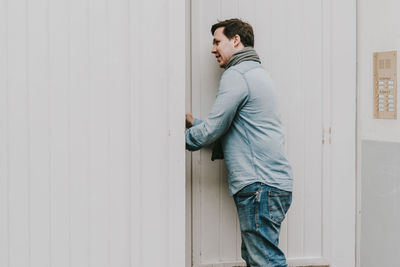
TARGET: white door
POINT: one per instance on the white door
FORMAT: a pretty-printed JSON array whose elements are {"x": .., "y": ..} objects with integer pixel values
[{"x": 292, "y": 40}]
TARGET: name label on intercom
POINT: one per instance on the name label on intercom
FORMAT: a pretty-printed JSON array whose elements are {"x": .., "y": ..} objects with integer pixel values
[{"x": 385, "y": 85}]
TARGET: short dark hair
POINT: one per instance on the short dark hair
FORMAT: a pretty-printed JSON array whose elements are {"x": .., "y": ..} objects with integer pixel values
[{"x": 236, "y": 26}]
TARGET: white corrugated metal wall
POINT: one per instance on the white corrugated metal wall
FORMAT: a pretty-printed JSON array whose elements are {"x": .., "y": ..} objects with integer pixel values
[{"x": 92, "y": 133}]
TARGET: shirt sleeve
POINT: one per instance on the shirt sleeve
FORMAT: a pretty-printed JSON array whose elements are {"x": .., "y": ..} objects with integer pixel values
[
  {"x": 196, "y": 122},
  {"x": 232, "y": 92}
]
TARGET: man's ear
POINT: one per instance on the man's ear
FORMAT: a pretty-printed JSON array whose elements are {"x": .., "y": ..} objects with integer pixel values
[{"x": 236, "y": 40}]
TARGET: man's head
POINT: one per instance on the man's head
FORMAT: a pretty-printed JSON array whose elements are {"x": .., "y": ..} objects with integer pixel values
[{"x": 230, "y": 36}]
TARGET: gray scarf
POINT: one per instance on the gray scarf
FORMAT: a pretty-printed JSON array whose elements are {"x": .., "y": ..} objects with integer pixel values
[{"x": 246, "y": 54}]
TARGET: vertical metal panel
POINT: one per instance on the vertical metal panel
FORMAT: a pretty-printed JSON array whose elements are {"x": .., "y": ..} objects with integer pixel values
[
  {"x": 159, "y": 95},
  {"x": 136, "y": 82},
  {"x": 326, "y": 114},
  {"x": 99, "y": 131},
  {"x": 188, "y": 154},
  {"x": 4, "y": 221},
  {"x": 92, "y": 133},
  {"x": 154, "y": 74},
  {"x": 176, "y": 158},
  {"x": 312, "y": 80},
  {"x": 79, "y": 171},
  {"x": 39, "y": 131},
  {"x": 60, "y": 152},
  {"x": 18, "y": 133},
  {"x": 160, "y": 99},
  {"x": 196, "y": 110},
  {"x": 119, "y": 132},
  {"x": 310, "y": 72},
  {"x": 343, "y": 119}
]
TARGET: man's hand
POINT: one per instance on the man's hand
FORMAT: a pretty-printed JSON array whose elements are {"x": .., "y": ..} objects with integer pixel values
[{"x": 189, "y": 119}]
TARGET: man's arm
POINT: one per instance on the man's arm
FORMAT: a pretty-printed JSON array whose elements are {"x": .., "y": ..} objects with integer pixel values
[{"x": 231, "y": 94}]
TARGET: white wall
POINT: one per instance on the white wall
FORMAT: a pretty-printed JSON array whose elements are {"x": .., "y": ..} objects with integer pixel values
[
  {"x": 92, "y": 133},
  {"x": 378, "y": 30}
]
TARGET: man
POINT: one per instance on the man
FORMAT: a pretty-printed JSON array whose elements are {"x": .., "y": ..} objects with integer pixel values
[{"x": 245, "y": 120}]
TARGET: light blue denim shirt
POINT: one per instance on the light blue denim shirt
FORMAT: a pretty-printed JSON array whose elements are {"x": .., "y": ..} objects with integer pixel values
[{"x": 245, "y": 116}]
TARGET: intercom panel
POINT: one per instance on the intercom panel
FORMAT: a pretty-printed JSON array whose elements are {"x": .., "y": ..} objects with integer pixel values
[{"x": 385, "y": 85}]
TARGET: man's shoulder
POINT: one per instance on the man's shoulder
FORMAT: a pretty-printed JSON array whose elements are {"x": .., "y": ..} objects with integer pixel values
[
  {"x": 233, "y": 80},
  {"x": 247, "y": 70},
  {"x": 245, "y": 67}
]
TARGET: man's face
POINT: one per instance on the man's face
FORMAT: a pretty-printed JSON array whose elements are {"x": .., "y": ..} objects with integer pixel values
[{"x": 223, "y": 48}]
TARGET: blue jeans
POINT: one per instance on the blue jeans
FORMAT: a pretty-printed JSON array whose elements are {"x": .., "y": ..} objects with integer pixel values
[{"x": 261, "y": 209}]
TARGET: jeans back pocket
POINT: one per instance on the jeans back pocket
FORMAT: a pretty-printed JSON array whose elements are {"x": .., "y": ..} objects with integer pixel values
[{"x": 278, "y": 204}]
